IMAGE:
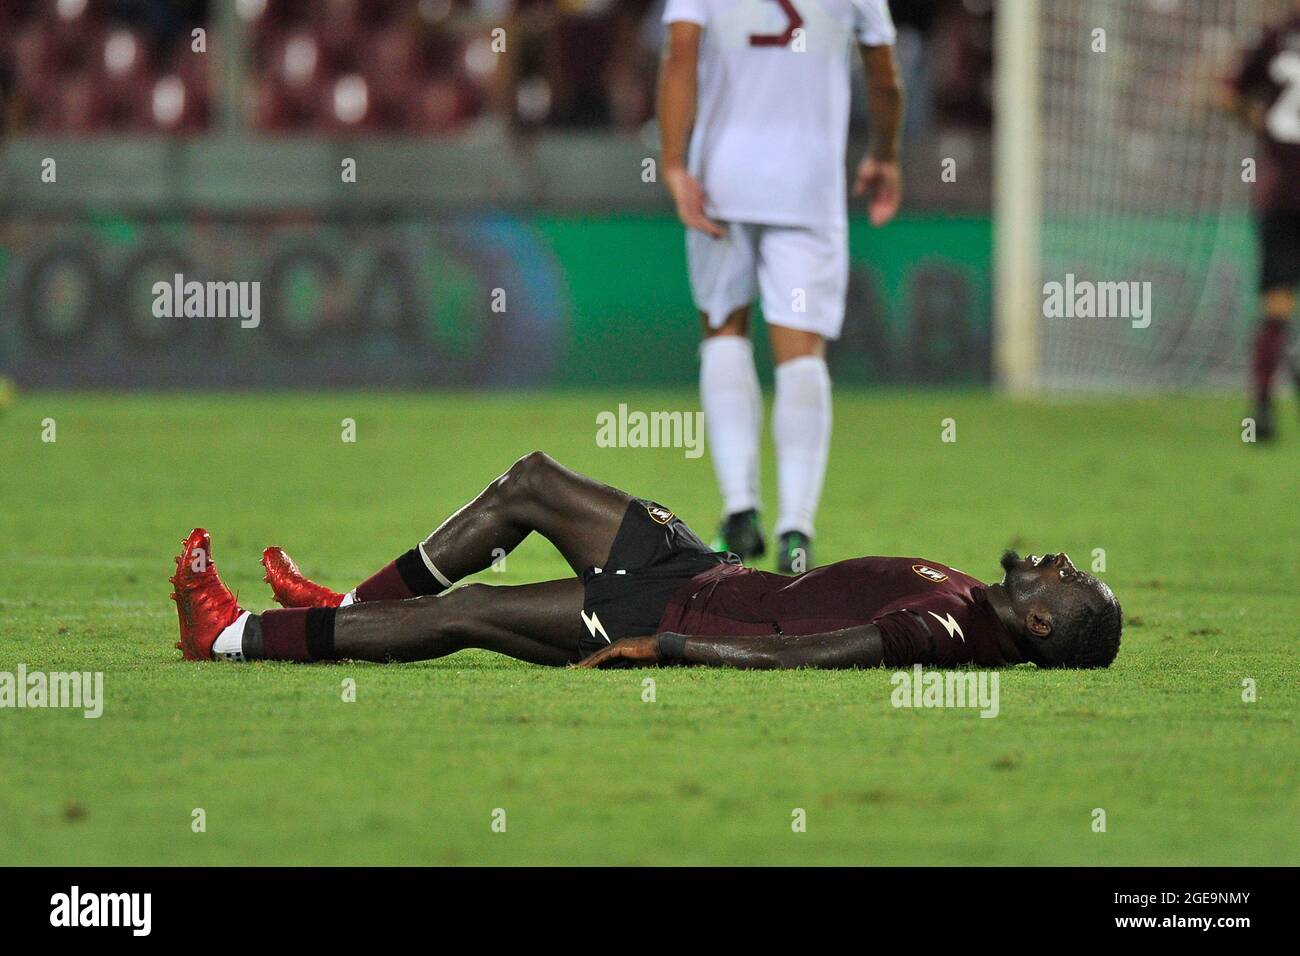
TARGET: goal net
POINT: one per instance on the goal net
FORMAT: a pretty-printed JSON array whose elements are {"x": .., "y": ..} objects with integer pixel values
[{"x": 1140, "y": 233}]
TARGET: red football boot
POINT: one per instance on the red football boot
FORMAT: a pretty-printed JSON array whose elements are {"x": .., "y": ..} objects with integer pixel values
[
  {"x": 290, "y": 587},
  {"x": 205, "y": 605}
]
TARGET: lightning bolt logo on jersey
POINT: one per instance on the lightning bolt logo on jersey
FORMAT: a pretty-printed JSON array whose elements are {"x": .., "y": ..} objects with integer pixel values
[
  {"x": 949, "y": 624},
  {"x": 594, "y": 627},
  {"x": 654, "y": 554}
]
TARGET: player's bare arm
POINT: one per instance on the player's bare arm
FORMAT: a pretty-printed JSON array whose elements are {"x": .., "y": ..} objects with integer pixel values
[
  {"x": 878, "y": 176},
  {"x": 1248, "y": 109},
  {"x": 844, "y": 649},
  {"x": 678, "y": 75}
]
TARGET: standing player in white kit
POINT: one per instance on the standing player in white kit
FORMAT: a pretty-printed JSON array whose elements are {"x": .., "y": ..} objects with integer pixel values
[{"x": 762, "y": 90}]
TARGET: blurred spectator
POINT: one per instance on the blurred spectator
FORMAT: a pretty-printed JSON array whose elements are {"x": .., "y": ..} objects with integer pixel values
[
  {"x": 961, "y": 54},
  {"x": 103, "y": 65},
  {"x": 414, "y": 67},
  {"x": 579, "y": 63}
]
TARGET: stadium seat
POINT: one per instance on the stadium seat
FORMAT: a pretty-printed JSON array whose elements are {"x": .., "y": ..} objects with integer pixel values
[{"x": 87, "y": 66}]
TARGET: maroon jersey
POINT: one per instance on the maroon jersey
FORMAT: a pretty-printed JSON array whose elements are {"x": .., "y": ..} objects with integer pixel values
[
  {"x": 927, "y": 613},
  {"x": 1269, "y": 73}
]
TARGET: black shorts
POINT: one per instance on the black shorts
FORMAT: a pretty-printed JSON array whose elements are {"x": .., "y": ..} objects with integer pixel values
[
  {"x": 1279, "y": 250},
  {"x": 653, "y": 555}
]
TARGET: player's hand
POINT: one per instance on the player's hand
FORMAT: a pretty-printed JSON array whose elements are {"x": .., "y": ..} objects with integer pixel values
[
  {"x": 881, "y": 182},
  {"x": 634, "y": 650},
  {"x": 689, "y": 196},
  {"x": 1257, "y": 117}
]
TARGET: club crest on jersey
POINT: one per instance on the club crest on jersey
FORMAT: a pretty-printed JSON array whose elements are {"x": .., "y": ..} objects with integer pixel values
[
  {"x": 659, "y": 513},
  {"x": 930, "y": 574}
]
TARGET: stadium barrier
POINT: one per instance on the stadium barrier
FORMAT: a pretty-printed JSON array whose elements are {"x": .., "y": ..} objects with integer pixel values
[{"x": 373, "y": 298}]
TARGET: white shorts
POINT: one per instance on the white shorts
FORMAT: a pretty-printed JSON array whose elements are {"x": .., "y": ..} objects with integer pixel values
[{"x": 801, "y": 274}]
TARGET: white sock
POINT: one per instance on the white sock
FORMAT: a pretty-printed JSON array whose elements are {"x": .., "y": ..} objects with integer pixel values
[
  {"x": 229, "y": 645},
  {"x": 733, "y": 416},
  {"x": 349, "y": 598},
  {"x": 801, "y": 426}
]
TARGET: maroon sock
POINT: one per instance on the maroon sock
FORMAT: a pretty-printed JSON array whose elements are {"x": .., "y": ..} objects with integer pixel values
[
  {"x": 406, "y": 577},
  {"x": 1270, "y": 343},
  {"x": 293, "y": 634}
]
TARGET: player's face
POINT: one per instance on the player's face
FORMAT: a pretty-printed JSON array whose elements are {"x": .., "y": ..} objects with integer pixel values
[
  {"x": 1049, "y": 580},
  {"x": 1045, "y": 589},
  {"x": 1034, "y": 571}
]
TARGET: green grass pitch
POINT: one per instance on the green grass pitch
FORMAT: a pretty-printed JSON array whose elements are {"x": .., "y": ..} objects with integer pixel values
[{"x": 1202, "y": 544}]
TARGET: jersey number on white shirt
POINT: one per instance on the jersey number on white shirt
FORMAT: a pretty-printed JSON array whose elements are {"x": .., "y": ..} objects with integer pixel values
[{"x": 780, "y": 39}]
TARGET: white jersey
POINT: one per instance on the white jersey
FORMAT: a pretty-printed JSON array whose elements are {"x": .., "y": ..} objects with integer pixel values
[{"x": 772, "y": 111}]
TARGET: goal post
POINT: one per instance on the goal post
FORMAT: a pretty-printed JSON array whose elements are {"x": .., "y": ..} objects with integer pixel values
[
  {"x": 1119, "y": 188},
  {"x": 1016, "y": 196}
]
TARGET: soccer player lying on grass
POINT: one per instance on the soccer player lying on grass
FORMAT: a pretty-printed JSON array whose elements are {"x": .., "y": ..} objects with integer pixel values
[{"x": 646, "y": 590}]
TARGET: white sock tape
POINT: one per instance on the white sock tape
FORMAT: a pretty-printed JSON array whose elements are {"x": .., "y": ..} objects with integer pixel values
[
  {"x": 432, "y": 568},
  {"x": 229, "y": 645}
]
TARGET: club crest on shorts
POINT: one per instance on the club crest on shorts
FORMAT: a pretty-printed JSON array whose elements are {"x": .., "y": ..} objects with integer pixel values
[
  {"x": 930, "y": 574},
  {"x": 659, "y": 513}
]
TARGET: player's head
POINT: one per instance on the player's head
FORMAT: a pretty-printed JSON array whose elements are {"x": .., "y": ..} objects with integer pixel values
[{"x": 1068, "y": 618}]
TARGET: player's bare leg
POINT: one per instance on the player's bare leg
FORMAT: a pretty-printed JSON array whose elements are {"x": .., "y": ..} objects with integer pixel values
[
  {"x": 790, "y": 344},
  {"x": 578, "y": 515},
  {"x": 801, "y": 429},
  {"x": 538, "y": 623},
  {"x": 733, "y": 414},
  {"x": 1268, "y": 352}
]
